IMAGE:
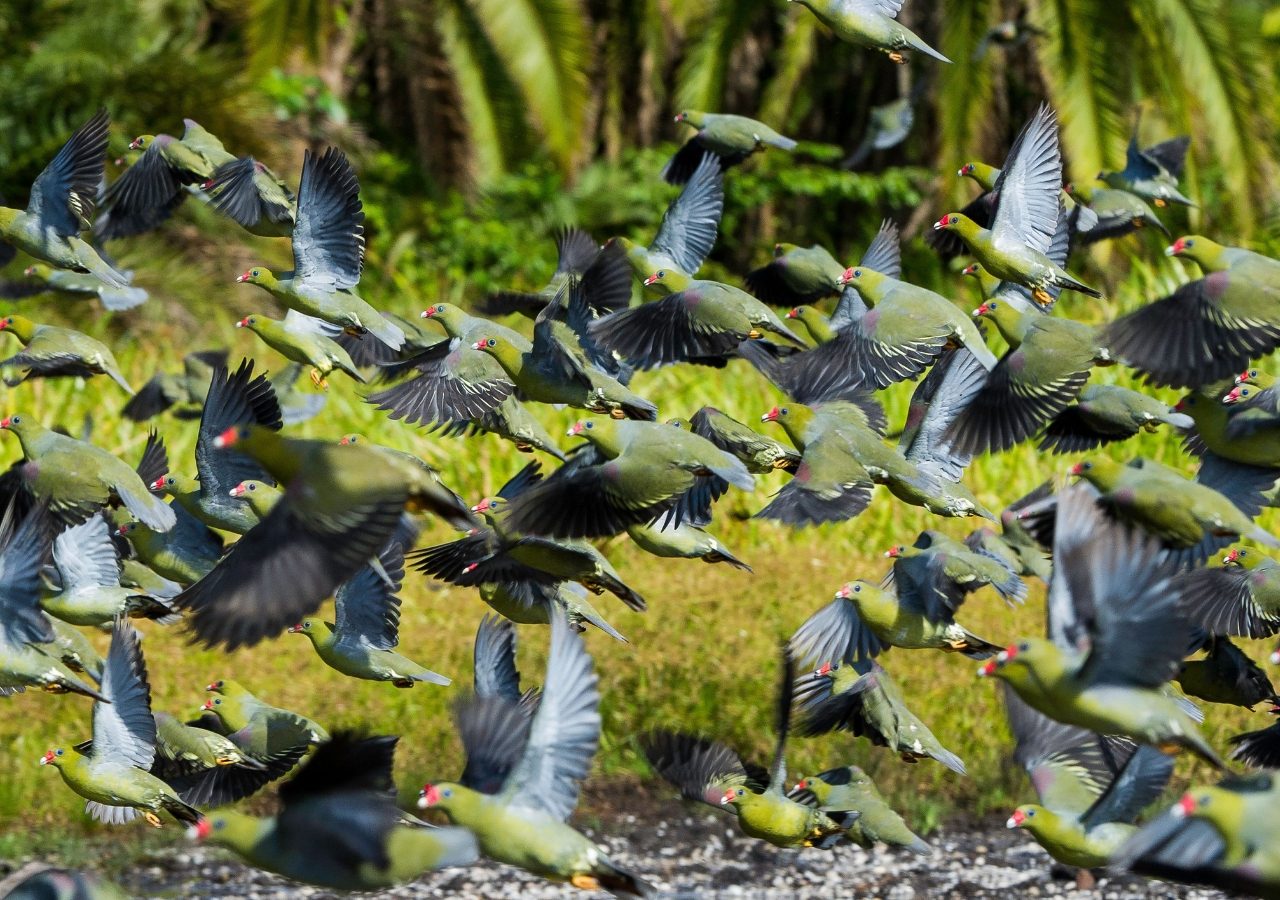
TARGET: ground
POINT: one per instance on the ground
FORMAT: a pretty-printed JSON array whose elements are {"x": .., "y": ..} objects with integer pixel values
[{"x": 695, "y": 853}]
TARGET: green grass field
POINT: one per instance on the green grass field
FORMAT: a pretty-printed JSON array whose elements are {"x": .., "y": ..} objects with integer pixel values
[{"x": 703, "y": 659}]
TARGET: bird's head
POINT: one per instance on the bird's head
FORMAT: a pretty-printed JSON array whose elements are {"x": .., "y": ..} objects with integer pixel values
[
  {"x": 247, "y": 321},
  {"x": 849, "y": 591},
  {"x": 489, "y": 506},
  {"x": 124, "y": 529},
  {"x": 691, "y": 117},
  {"x": 309, "y": 627},
  {"x": 257, "y": 275},
  {"x": 37, "y": 270},
  {"x": 13, "y": 422},
  {"x": 584, "y": 428},
  {"x": 851, "y": 275},
  {"x": 233, "y": 436},
  {"x": 1249, "y": 376},
  {"x": 449, "y": 315},
  {"x": 488, "y": 344},
  {"x": 949, "y": 222},
  {"x": 213, "y": 704},
  {"x": 986, "y": 309},
  {"x": 824, "y": 670},
  {"x": 142, "y": 142},
  {"x": 229, "y": 829},
  {"x": 1244, "y": 558},
  {"x": 973, "y": 270},
  {"x": 732, "y": 796},
  {"x": 797, "y": 312},
  {"x": 1188, "y": 245},
  {"x": 1238, "y": 394},
  {"x": 349, "y": 440},
  {"x": 777, "y": 414},
  {"x": 967, "y": 170},
  {"x": 53, "y": 757},
  {"x": 1023, "y": 654},
  {"x": 895, "y": 552},
  {"x": 441, "y": 796},
  {"x": 1022, "y": 816},
  {"x": 658, "y": 277},
  {"x": 163, "y": 483},
  {"x": 221, "y": 686}
]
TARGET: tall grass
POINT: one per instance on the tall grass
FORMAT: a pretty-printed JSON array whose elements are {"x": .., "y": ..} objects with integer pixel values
[{"x": 703, "y": 659}]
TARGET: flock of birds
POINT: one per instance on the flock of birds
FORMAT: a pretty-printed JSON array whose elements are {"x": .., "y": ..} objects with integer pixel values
[{"x": 1097, "y": 706}]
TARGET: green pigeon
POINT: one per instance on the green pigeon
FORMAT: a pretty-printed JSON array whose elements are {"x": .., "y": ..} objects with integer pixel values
[
  {"x": 184, "y": 554},
  {"x": 555, "y": 370},
  {"x": 257, "y": 198},
  {"x": 938, "y": 564},
  {"x": 684, "y": 541},
  {"x": 455, "y": 381},
  {"x": 1008, "y": 292},
  {"x": 49, "y": 351},
  {"x": 31, "y": 650},
  {"x": 257, "y": 727},
  {"x": 1185, "y": 515},
  {"x": 814, "y": 321},
  {"x": 843, "y": 453},
  {"x": 1225, "y": 437},
  {"x": 184, "y": 391},
  {"x": 415, "y": 468},
  {"x": 74, "y": 649},
  {"x": 262, "y": 496},
  {"x": 689, "y": 226},
  {"x": 888, "y": 125},
  {"x": 1208, "y": 329},
  {"x": 760, "y": 453},
  {"x": 113, "y": 774},
  {"x": 729, "y": 138},
  {"x": 207, "y": 767},
  {"x": 328, "y": 252},
  {"x": 848, "y": 787},
  {"x": 338, "y": 826},
  {"x": 233, "y": 399},
  {"x": 533, "y": 767},
  {"x": 1105, "y": 413},
  {"x": 1014, "y": 544},
  {"x": 1119, "y": 212},
  {"x": 498, "y": 554},
  {"x": 1117, "y": 636},
  {"x": 1045, "y": 369},
  {"x": 796, "y": 276},
  {"x": 64, "y": 281},
  {"x": 698, "y": 321},
  {"x": 158, "y": 180},
  {"x": 1026, "y": 216},
  {"x": 1226, "y": 675},
  {"x": 709, "y": 772},
  {"x": 62, "y": 202},
  {"x": 1240, "y": 598},
  {"x": 604, "y": 272},
  {"x": 341, "y": 505},
  {"x": 88, "y": 567},
  {"x": 634, "y": 472},
  {"x": 76, "y": 478},
  {"x": 1090, "y": 788},
  {"x": 1152, "y": 173},
  {"x": 362, "y": 639},
  {"x": 860, "y": 697},
  {"x": 530, "y": 603},
  {"x": 873, "y": 24},
  {"x": 863, "y": 621},
  {"x": 1080, "y": 219},
  {"x": 1218, "y": 836},
  {"x": 304, "y": 339}
]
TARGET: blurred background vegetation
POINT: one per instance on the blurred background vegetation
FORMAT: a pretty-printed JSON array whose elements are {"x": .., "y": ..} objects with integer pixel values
[{"x": 477, "y": 127}]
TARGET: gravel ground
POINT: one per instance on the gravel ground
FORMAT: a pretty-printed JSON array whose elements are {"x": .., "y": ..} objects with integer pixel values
[{"x": 692, "y": 855}]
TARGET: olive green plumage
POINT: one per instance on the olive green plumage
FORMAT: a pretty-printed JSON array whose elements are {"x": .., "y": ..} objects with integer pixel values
[
  {"x": 1240, "y": 598},
  {"x": 1119, "y": 212},
  {"x": 183, "y": 391},
  {"x": 76, "y": 284},
  {"x": 76, "y": 478},
  {"x": 730, "y": 138},
  {"x": 1152, "y": 173},
  {"x": 261, "y": 729},
  {"x": 1226, "y": 675},
  {"x": 796, "y": 276},
  {"x": 1214, "y": 257},
  {"x": 683, "y": 542},
  {"x": 873, "y": 24},
  {"x": 530, "y": 603},
  {"x": 1105, "y": 413},
  {"x": 62, "y": 204},
  {"x": 304, "y": 340},
  {"x": 848, "y": 787},
  {"x": 50, "y": 351}
]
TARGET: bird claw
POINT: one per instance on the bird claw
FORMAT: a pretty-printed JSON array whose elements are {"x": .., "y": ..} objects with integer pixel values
[
  {"x": 319, "y": 380},
  {"x": 1161, "y": 202},
  {"x": 1042, "y": 297},
  {"x": 524, "y": 448},
  {"x": 225, "y": 761},
  {"x": 152, "y": 819},
  {"x": 898, "y": 58},
  {"x": 585, "y": 882},
  {"x": 617, "y": 414},
  {"x": 755, "y": 334}
]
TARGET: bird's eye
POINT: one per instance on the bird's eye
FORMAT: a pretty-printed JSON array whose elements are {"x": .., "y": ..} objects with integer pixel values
[
  {"x": 217, "y": 702},
  {"x": 1242, "y": 553},
  {"x": 952, "y": 220},
  {"x": 219, "y": 824},
  {"x": 662, "y": 273},
  {"x": 1086, "y": 466},
  {"x": 739, "y": 792},
  {"x": 57, "y": 753},
  {"x": 589, "y": 425},
  {"x": 255, "y": 273},
  {"x": 439, "y": 307},
  {"x": 857, "y": 589},
  {"x": 16, "y": 420},
  {"x": 1024, "y": 647},
  {"x": 306, "y": 625},
  {"x": 1030, "y": 813},
  {"x": 857, "y": 273},
  {"x": 991, "y": 304},
  {"x": 1244, "y": 392},
  {"x": 253, "y": 487},
  {"x": 1188, "y": 243},
  {"x": 447, "y": 793},
  {"x": 1203, "y": 801},
  {"x": 784, "y": 411},
  {"x": 491, "y": 343}
]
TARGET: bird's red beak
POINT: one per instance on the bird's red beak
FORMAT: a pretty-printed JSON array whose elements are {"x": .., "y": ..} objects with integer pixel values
[
  {"x": 135, "y": 143},
  {"x": 428, "y": 797},
  {"x": 1185, "y": 806},
  {"x": 242, "y": 277},
  {"x": 211, "y": 686},
  {"x": 844, "y": 593},
  {"x": 652, "y": 279},
  {"x": 228, "y": 438},
  {"x": 47, "y": 758},
  {"x": 158, "y": 484},
  {"x": 802, "y": 784},
  {"x": 243, "y": 323},
  {"x": 200, "y": 831},
  {"x": 478, "y": 345},
  {"x": 576, "y": 429},
  {"x": 1231, "y": 556},
  {"x": 238, "y": 490},
  {"x": 29, "y": 271},
  {"x": 207, "y": 184},
  {"x": 987, "y": 669},
  {"x": 482, "y": 506},
  {"x": 793, "y": 314},
  {"x": 1016, "y": 820},
  {"x": 1177, "y": 248},
  {"x": 728, "y": 797},
  {"x": 824, "y": 669},
  {"x": 6, "y": 421},
  {"x": 344, "y": 441},
  {"x": 295, "y": 629},
  {"x": 981, "y": 310},
  {"x": 208, "y": 704},
  {"x": 1233, "y": 395},
  {"x": 893, "y": 552},
  {"x": 770, "y": 416},
  {"x": 971, "y": 269},
  {"x": 846, "y": 276},
  {"x": 1076, "y": 469},
  {"x": 942, "y": 223}
]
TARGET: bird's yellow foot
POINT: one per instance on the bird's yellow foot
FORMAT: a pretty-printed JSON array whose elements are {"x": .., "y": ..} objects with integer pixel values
[
  {"x": 898, "y": 58},
  {"x": 781, "y": 463},
  {"x": 225, "y": 761},
  {"x": 755, "y": 334},
  {"x": 1042, "y": 297},
  {"x": 353, "y": 331},
  {"x": 54, "y": 687},
  {"x": 958, "y": 645},
  {"x": 152, "y": 819},
  {"x": 1169, "y": 747},
  {"x": 585, "y": 882},
  {"x": 617, "y": 414},
  {"x": 524, "y": 448},
  {"x": 1162, "y": 203}
]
